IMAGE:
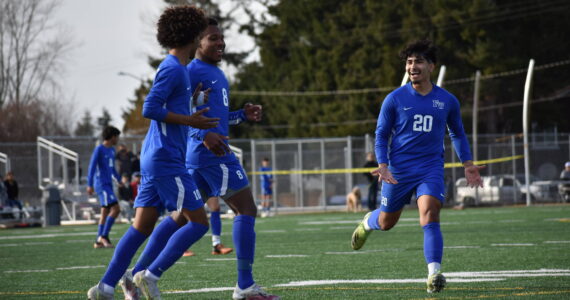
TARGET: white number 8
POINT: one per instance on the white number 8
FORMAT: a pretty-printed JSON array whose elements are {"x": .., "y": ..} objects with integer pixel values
[{"x": 240, "y": 176}]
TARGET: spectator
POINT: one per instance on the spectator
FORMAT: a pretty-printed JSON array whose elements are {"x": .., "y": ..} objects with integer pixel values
[
  {"x": 565, "y": 175},
  {"x": 125, "y": 160},
  {"x": 135, "y": 184},
  {"x": 12, "y": 192},
  {"x": 372, "y": 181},
  {"x": 136, "y": 165},
  {"x": 3, "y": 194},
  {"x": 126, "y": 199}
]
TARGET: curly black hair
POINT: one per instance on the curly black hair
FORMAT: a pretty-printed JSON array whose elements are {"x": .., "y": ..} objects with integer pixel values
[
  {"x": 109, "y": 132},
  {"x": 180, "y": 25},
  {"x": 424, "y": 48}
]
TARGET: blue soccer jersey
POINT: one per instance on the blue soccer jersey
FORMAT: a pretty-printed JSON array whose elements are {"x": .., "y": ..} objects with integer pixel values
[
  {"x": 164, "y": 148},
  {"x": 102, "y": 167},
  {"x": 417, "y": 125},
  {"x": 211, "y": 76}
]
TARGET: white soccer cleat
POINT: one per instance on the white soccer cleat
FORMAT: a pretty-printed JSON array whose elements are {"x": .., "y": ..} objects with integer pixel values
[
  {"x": 130, "y": 290},
  {"x": 148, "y": 287},
  {"x": 254, "y": 292},
  {"x": 95, "y": 293},
  {"x": 435, "y": 283}
]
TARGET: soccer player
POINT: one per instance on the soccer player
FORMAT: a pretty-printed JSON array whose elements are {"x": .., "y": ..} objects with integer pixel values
[
  {"x": 165, "y": 180},
  {"x": 100, "y": 180},
  {"x": 415, "y": 118},
  {"x": 214, "y": 167},
  {"x": 266, "y": 187}
]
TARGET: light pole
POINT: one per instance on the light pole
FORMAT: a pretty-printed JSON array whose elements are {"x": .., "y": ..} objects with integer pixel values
[{"x": 122, "y": 73}]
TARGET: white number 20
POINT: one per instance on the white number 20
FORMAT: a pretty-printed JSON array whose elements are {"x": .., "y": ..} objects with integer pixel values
[{"x": 423, "y": 123}]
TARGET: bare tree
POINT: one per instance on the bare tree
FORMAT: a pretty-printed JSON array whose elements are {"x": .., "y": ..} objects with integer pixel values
[{"x": 32, "y": 51}]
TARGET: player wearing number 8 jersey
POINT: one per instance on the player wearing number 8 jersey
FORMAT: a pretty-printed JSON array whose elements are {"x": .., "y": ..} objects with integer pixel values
[
  {"x": 410, "y": 150},
  {"x": 214, "y": 167}
]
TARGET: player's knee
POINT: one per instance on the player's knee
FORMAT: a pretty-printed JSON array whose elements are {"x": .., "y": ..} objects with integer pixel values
[{"x": 386, "y": 225}]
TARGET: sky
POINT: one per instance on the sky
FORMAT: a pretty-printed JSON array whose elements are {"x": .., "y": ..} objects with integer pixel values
[{"x": 113, "y": 36}]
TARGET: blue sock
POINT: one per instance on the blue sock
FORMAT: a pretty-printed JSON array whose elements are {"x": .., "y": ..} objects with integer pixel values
[
  {"x": 108, "y": 224},
  {"x": 100, "y": 230},
  {"x": 126, "y": 249},
  {"x": 216, "y": 223},
  {"x": 244, "y": 241},
  {"x": 156, "y": 243},
  {"x": 373, "y": 220},
  {"x": 181, "y": 240},
  {"x": 433, "y": 243}
]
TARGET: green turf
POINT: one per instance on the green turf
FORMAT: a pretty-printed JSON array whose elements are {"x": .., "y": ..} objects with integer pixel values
[{"x": 323, "y": 253}]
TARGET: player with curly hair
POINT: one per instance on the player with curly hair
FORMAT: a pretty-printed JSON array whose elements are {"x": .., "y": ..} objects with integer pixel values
[{"x": 165, "y": 181}]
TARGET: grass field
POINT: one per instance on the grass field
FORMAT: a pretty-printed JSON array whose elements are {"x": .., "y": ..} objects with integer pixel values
[{"x": 494, "y": 253}]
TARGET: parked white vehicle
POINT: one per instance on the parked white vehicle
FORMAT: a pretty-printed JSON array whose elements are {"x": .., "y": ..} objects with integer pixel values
[{"x": 496, "y": 189}]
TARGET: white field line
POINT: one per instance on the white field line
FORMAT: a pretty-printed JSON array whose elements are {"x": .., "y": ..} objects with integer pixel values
[
  {"x": 513, "y": 245},
  {"x": 204, "y": 290},
  {"x": 308, "y": 229},
  {"x": 376, "y": 281},
  {"x": 362, "y": 252},
  {"x": 461, "y": 247},
  {"x": 49, "y": 235},
  {"x": 26, "y": 271},
  {"x": 80, "y": 267},
  {"x": 37, "y": 243},
  {"x": 330, "y": 222},
  {"x": 220, "y": 259},
  {"x": 10, "y": 245},
  {"x": 80, "y": 241},
  {"x": 286, "y": 256},
  {"x": 557, "y": 242},
  {"x": 272, "y": 231}
]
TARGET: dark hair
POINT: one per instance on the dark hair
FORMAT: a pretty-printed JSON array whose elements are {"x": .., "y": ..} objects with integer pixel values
[
  {"x": 180, "y": 25},
  {"x": 423, "y": 48},
  {"x": 109, "y": 132},
  {"x": 266, "y": 159}
]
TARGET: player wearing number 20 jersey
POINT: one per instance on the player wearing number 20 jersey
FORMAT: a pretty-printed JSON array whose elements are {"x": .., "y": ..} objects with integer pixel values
[{"x": 417, "y": 125}]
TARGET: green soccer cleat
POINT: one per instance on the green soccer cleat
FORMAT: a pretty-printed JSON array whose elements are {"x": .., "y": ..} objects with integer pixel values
[
  {"x": 435, "y": 283},
  {"x": 148, "y": 287},
  {"x": 360, "y": 234},
  {"x": 95, "y": 293}
]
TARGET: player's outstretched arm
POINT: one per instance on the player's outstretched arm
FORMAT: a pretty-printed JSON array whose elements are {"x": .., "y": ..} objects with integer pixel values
[
  {"x": 384, "y": 174},
  {"x": 253, "y": 112},
  {"x": 472, "y": 174}
]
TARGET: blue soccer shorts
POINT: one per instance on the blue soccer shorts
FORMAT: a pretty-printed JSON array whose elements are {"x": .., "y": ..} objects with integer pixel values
[
  {"x": 395, "y": 196},
  {"x": 106, "y": 195},
  {"x": 170, "y": 192},
  {"x": 223, "y": 180}
]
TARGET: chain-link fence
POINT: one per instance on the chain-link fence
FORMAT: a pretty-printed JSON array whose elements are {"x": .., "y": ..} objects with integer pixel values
[{"x": 316, "y": 173}]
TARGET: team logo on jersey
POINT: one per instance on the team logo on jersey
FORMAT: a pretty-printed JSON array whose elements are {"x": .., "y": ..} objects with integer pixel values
[
  {"x": 438, "y": 104},
  {"x": 384, "y": 201}
]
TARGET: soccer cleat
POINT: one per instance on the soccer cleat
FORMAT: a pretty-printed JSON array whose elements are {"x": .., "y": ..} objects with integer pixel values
[
  {"x": 148, "y": 287},
  {"x": 435, "y": 283},
  {"x": 254, "y": 292},
  {"x": 188, "y": 253},
  {"x": 360, "y": 234},
  {"x": 98, "y": 245},
  {"x": 95, "y": 293},
  {"x": 130, "y": 290},
  {"x": 106, "y": 242},
  {"x": 219, "y": 249}
]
